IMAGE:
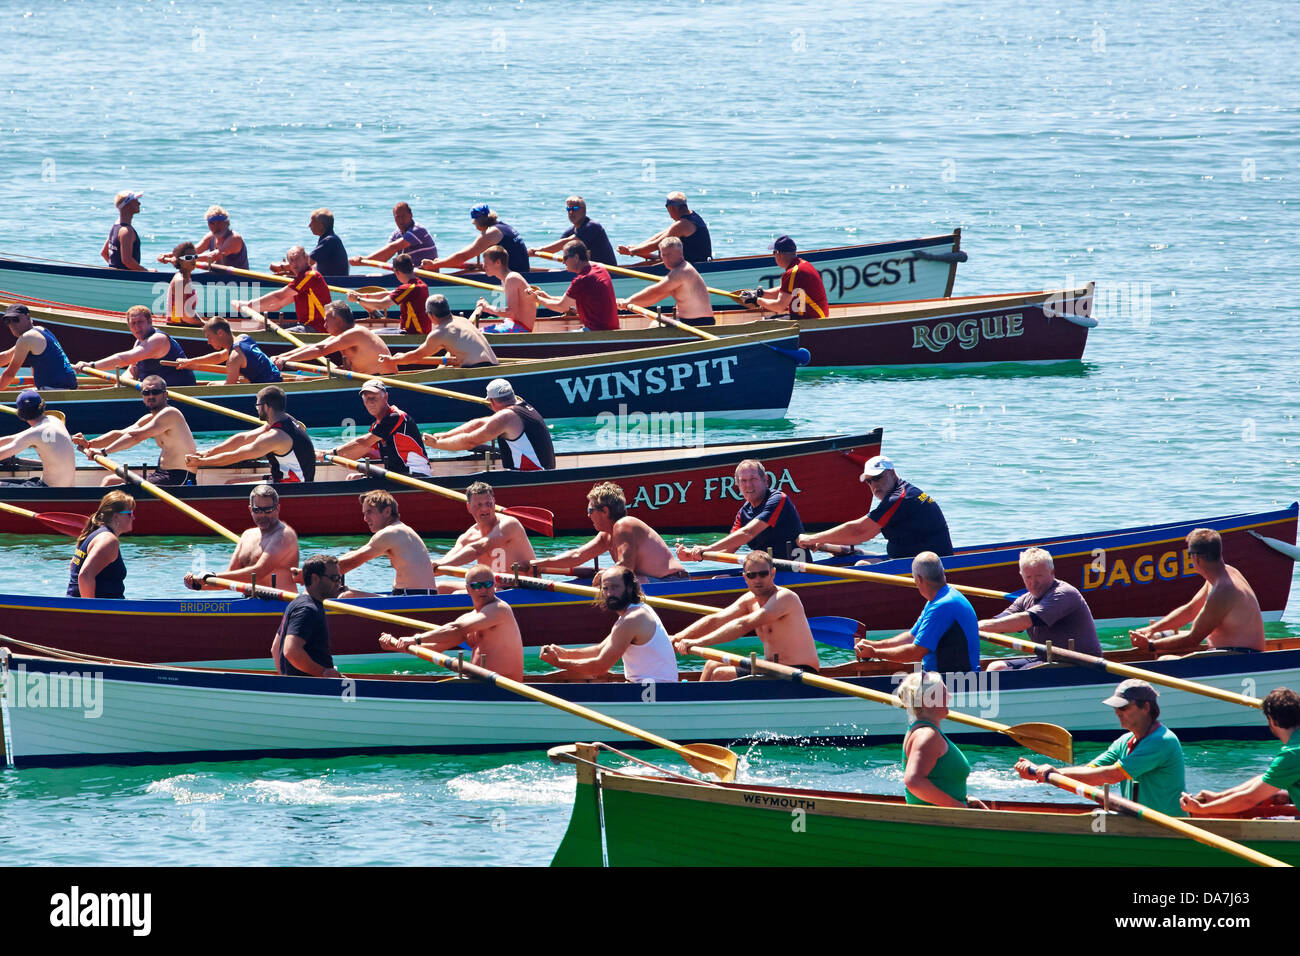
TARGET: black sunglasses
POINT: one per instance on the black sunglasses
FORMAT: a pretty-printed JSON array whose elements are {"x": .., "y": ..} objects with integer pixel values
[
  {"x": 153, "y": 391},
  {"x": 572, "y": 208},
  {"x": 750, "y": 575},
  {"x": 263, "y": 510}
]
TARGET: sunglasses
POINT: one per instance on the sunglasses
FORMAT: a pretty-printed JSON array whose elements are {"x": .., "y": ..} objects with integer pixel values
[
  {"x": 750, "y": 575},
  {"x": 264, "y": 510},
  {"x": 153, "y": 391},
  {"x": 479, "y": 585},
  {"x": 872, "y": 479},
  {"x": 572, "y": 208},
  {"x": 188, "y": 257}
]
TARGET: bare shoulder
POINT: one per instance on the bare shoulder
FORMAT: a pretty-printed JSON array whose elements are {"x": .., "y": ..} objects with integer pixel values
[{"x": 510, "y": 526}]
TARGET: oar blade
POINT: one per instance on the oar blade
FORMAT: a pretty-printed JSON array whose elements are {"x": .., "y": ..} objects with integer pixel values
[
  {"x": 1049, "y": 740},
  {"x": 706, "y": 759},
  {"x": 534, "y": 519},
  {"x": 842, "y": 632},
  {"x": 63, "y": 522}
]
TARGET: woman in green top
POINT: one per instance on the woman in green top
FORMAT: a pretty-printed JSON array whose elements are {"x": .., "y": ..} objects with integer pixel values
[
  {"x": 1276, "y": 784},
  {"x": 934, "y": 769}
]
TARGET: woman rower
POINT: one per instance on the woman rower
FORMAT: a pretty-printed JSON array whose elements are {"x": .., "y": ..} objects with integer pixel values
[
  {"x": 182, "y": 297},
  {"x": 934, "y": 769},
  {"x": 98, "y": 570}
]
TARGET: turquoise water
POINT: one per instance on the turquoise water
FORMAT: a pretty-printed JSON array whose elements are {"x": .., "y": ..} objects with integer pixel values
[{"x": 1154, "y": 154}]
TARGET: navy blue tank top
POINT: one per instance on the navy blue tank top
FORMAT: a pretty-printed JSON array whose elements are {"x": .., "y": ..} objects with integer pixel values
[
  {"x": 115, "y": 250},
  {"x": 697, "y": 247},
  {"x": 239, "y": 260},
  {"x": 110, "y": 582},
  {"x": 257, "y": 367},
  {"x": 169, "y": 374},
  {"x": 515, "y": 246},
  {"x": 51, "y": 368}
]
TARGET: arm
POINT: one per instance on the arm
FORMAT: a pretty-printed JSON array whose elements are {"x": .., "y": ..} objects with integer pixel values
[
  {"x": 556, "y": 303},
  {"x": 153, "y": 347},
  {"x": 359, "y": 447},
  {"x": 145, "y": 428},
  {"x": 103, "y": 253},
  {"x": 102, "y": 552},
  {"x": 219, "y": 357},
  {"x": 20, "y": 442},
  {"x": 456, "y": 260},
  {"x": 16, "y": 356},
  {"x": 648, "y": 249},
  {"x": 354, "y": 559},
  {"x": 594, "y": 660},
  {"x": 1241, "y": 797},
  {"x": 576, "y": 556},
  {"x": 1020, "y": 621},
  {"x": 286, "y": 555},
  {"x": 851, "y": 532},
  {"x": 384, "y": 253},
  {"x": 295, "y": 652},
  {"x": 703, "y": 632},
  {"x": 1178, "y": 616},
  {"x": 269, "y": 302},
  {"x": 431, "y": 345},
  {"x": 651, "y": 294},
  {"x": 924, "y": 748},
  {"x": 305, "y": 353},
  {"x": 471, "y": 434},
  {"x": 255, "y": 445}
]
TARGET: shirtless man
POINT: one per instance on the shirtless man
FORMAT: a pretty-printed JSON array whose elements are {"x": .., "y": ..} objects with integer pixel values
[
  {"x": 283, "y": 441},
  {"x": 630, "y": 541},
  {"x": 391, "y": 538},
  {"x": 494, "y": 539},
  {"x": 689, "y": 293},
  {"x": 465, "y": 345},
  {"x": 362, "y": 349},
  {"x": 1224, "y": 610},
  {"x": 161, "y": 422},
  {"x": 48, "y": 437},
  {"x": 490, "y": 629},
  {"x": 151, "y": 348},
  {"x": 267, "y": 553},
  {"x": 775, "y": 614},
  {"x": 520, "y": 310},
  {"x": 638, "y": 636}
]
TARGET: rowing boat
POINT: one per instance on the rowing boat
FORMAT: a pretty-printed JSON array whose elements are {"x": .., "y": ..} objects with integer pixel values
[
  {"x": 636, "y": 819},
  {"x": 738, "y": 377},
  {"x": 676, "y": 488},
  {"x": 1147, "y": 574},
  {"x": 878, "y": 272}
]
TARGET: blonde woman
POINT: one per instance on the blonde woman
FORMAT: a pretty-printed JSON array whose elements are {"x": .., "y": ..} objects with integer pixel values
[
  {"x": 97, "y": 569},
  {"x": 934, "y": 768},
  {"x": 222, "y": 245}
]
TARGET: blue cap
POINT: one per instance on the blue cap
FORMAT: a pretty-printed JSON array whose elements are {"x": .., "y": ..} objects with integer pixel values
[
  {"x": 29, "y": 399},
  {"x": 784, "y": 244},
  {"x": 478, "y": 212}
]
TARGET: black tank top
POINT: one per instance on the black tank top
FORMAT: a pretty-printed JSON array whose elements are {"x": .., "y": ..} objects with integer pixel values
[
  {"x": 168, "y": 373},
  {"x": 300, "y": 463},
  {"x": 115, "y": 249},
  {"x": 697, "y": 247},
  {"x": 532, "y": 450},
  {"x": 515, "y": 246},
  {"x": 110, "y": 582}
]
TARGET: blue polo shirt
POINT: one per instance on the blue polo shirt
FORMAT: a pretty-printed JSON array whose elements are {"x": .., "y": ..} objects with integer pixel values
[
  {"x": 948, "y": 629},
  {"x": 781, "y": 536},
  {"x": 912, "y": 522},
  {"x": 329, "y": 255},
  {"x": 594, "y": 238}
]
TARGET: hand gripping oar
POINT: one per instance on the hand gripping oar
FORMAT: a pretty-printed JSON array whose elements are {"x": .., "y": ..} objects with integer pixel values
[
  {"x": 126, "y": 379},
  {"x": 632, "y": 273},
  {"x": 535, "y": 519},
  {"x": 835, "y": 631},
  {"x": 285, "y": 280},
  {"x": 132, "y": 478},
  {"x": 1123, "y": 670},
  {"x": 1047, "y": 739},
  {"x": 855, "y": 574},
  {"x": 1060, "y": 780},
  {"x": 706, "y": 758},
  {"x": 429, "y": 274},
  {"x": 61, "y": 521},
  {"x": 335, "y": 372}
]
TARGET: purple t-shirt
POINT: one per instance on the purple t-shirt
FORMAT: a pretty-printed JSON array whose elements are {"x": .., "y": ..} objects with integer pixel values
[
  {"x": 419, "y": 244},
  {"x": 1060, "y": 616}
]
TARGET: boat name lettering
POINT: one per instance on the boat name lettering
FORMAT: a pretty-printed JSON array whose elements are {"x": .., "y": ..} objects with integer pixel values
[
  {"x": 968, "y": 332},
  {"x": 664, "y": 493},
  {"x": 764, "y": 800},
  {"x": 676, "y": 377},
  {"x": 1141, "y": 570},
  {"x": 846, "y": 278},
  {"x": 725, "y": 485},
  {"x": 205, "y": 607}
]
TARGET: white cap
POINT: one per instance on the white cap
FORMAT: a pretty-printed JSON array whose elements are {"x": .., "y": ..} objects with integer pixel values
[
  {"x": 374, "y": 385},
  {"x": 500, "y": 389},
  {"x": 875, "y": 467}
]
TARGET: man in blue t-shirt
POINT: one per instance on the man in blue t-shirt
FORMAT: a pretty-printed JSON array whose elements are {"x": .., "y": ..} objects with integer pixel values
[
  {"x": 767, "y": 521},
  {"x": 582, "y": 227},
  {"x": 945, "y": 637},
  {"x": 910, "y": 520}
]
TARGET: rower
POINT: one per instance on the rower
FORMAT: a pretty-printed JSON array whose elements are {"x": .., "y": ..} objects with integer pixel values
[
  {"x": 767, "y": 520},
  {"x": 492, "y": 232},
  {"x": 490, "y": 629},
  {"x": 243, "y": 359},
  {"x": 97, "y": 569},
  {"x": 1050, "y": 610},
  {"x": 591, "y": 292},
  {"x": 409, "y": 298},
  {"x": 465, "y": 345},
  {"x": 520, "y": 307},
  {"x": 47, "y": 435},
  {"x": 910, "y": 520},
  {"x": 630, "y": 541},
  {"x": 801, "y": 292},
  {"x": 934, "y": 768},
  {"x": 1224, "y": 611},
  {"x": 266, "y": 553},
  {"x": 774, "y": 613},
  {"x": 35, "y": 346},
  {"x": 328, "y": 257},
  {"x": 152, "y": 347},
  {"x": 283, "y": 441},
  {"x": 409, "y": 237},
  {"x": 494, "y": 538},
  {"x": 164, "y": 424},
  {"x": 390, "y": 537},
  {"x": 308, "y": 291},
  {"x": 1276, "y": 785},
  {"x": 584, "y": 228},
  {"x": 302, "y": 643},
  {"x": 638, "y": 637},
  {"x": 683, "y": 283},
  {"x": 1147, "y": 761},
  {"x": 222, "y": 245},
  {"x": 394, "y": 433},
  {"x": 944, "y": 638},
  {"x": 361, "y": 348},
  {"x": 522, "y": 437},
  {"x": 182, "y": 297},
  {"x": 687, "y": 226},
  {"x": 122, "y": 247}
]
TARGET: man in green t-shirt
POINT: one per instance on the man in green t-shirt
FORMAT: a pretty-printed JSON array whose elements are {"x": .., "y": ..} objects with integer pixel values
[
  {"x": 1272, "y": 787},
  {"x": 1147, "y": 762}
]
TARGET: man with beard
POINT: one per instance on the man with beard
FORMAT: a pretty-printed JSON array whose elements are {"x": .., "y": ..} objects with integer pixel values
[
  {"x": 494, "y": 539},
  {"x": 390, "y": 537},
  {"x": 638, "y": 636},
  {"x": 267, "y": 553},
  {"x": 630, "y": 541},
  {"x": 161, "y": 422},
  {"x": 490, "y": 629},
  {"x": 302, "y": 644},
  {"x": 283, "y": 440},
  {"x": 775, "y": 614}
]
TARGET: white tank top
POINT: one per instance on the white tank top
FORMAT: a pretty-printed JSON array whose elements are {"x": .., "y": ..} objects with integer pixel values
[{"x": 654, "y": 660}]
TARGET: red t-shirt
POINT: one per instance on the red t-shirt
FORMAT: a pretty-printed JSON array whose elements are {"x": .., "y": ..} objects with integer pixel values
[
  {"x": 593, "y": 291},
  {"x": 804, "y": 275},
  {"x": 311, "y": 293},
  {"x": 410, "y": 298}
]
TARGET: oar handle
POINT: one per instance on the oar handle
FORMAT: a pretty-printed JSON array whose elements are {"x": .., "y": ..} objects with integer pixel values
[
  {"x": 428, "y": 274},
  {"x": 127, "y": 379},
  {"x": 275, "y": 327},
  {"x": 634, "y": 274},
  {"x": 562, "y": 587},
  {"x": 129, "y": 476},
  {"x": 656, "y": 317},
  {"x": 270, "y": 277},
  {"x": 377, "y": 471}
]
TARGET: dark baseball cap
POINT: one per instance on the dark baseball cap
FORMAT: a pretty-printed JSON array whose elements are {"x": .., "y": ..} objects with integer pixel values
[
  {"x": 784, "y": 244},
  {"x": 16, "y": 310},
  {"x": 29, "y": 400},
  {"x": 1129, "y": 691}
]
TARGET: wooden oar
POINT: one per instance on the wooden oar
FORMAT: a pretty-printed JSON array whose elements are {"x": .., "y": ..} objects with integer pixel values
[
  {"x": 273, "y": 326},
  {"x": 855, "y": 574},
  {"x": 126, "y": 379},
  {"x": 428, "y": 274},
  {"x": 285, "y": 280},
  {"x": 632, "y": 273},
  {"x": 335, "y": 372},
  {"x": 63, "y": 522},
  {"x": 706, "y": 758},
  {"x": 1122, "y": 670},
  {"x": 132, "y": 478},
  {"x": 1047, "y": 739},
  {"x": 1060, "y": 780},
  {"x": 194, "y": 368},
  {"x": 49, "y": 411},
  {"x": 535, "y": 519}
]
